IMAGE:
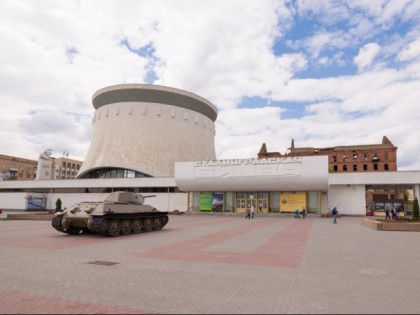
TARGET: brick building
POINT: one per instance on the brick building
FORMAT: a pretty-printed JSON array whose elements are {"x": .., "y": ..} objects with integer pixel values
[
  {"x": 351, "y": 158},
  {"x": 16, "y": 168}
]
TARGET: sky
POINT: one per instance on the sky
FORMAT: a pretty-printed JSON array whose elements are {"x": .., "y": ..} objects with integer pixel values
[{"x": 322, "y": 72}]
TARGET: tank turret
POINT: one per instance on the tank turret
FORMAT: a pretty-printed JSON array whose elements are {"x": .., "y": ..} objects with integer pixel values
[
  {"x": 121, "y": 213},
  {"x": 126, "y": 197}
]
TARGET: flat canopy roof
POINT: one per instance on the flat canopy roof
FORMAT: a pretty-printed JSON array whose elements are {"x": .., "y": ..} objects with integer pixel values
[{"x": 149, "y": 93}]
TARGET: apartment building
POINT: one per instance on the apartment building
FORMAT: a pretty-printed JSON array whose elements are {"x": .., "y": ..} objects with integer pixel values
[
  {"x": 16, "y": 168},
  {"x": 65, "y": 168}
]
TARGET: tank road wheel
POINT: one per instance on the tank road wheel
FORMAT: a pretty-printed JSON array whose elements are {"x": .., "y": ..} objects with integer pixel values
[
  {"x": 148, "y": 225},
  {"x": 113, "y": 228},
  {"x": 157, "y": 224},
  {"x": 125, "y": 227},
  {"x": 136, "y": 226},
  {"x": 103, "y": 225},
  {"x": 165, "y": 220}
]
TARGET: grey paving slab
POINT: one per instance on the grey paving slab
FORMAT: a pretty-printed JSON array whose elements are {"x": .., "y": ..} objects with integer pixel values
[{"x": 212, "y": 265}]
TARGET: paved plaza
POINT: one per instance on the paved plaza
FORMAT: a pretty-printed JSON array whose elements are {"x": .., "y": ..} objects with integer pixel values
[{"x": 202, "y": 264}]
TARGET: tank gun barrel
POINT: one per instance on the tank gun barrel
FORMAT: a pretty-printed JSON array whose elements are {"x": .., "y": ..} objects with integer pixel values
[{"x": 149, "y": 196}]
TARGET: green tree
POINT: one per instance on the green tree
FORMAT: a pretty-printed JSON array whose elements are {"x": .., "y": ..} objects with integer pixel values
[
  {"x": 58, "y": 205},
  {"x": 415, "y": 208}
]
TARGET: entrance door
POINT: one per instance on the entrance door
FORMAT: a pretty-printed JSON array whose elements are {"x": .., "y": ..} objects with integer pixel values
[
  {"x": 262, "y": 202},
  {"x": 241, "y": 202},
  {"x": 262, "y": 206}
]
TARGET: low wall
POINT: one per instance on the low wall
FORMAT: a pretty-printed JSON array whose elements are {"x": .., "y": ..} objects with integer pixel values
[
  {"x": 30, "y": 216},
  {"x": 391, "y": 226}
]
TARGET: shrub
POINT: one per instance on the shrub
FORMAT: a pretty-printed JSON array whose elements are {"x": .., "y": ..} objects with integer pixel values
[
  {"x": 415, "y": 208},
  {"x": 58, "y": 205}
]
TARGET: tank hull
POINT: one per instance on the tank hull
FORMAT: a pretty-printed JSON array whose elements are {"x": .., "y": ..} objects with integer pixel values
[
  {"x": 122, "y": 213},
  {"x": 112, "y": 224}
]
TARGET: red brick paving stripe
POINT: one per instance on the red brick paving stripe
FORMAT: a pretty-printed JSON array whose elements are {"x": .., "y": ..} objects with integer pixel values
[
  {"x": 20, "y": 303},
  {"x": 52, "y": 242},
  {"x": 19, "y": 228},
  {"x": 284, "y": 250},
  {"x": 192, "y": 223}
]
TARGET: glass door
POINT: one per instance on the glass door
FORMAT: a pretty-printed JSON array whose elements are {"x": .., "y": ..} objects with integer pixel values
[
  {"x": 262, "y": 202},
  {"x": 241, "y": 202}
]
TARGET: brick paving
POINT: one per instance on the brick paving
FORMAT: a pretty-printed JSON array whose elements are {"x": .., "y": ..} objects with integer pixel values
[{"x": 211, "y": 265}]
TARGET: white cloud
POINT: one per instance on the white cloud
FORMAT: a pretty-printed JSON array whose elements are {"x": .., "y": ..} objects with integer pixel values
[
  {"x": 411, "y": 51},
  {"x": 56, "y": 54},
  {"x": 366, "y": 56}
]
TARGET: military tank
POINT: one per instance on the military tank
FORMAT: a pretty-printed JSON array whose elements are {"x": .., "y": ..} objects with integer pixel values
[{"x": 121, "y": 213}]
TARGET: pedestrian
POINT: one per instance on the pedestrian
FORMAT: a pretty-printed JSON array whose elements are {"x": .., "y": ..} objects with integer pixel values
[
  {"x": 394, "y": 213},
  {"x": 252, "y": 212},
  {"x": 387, "y": 216},
  {"x": 334, "y": 213},
  {"x": 303, "y": 213},
  {"x": 248, "y": 213}
]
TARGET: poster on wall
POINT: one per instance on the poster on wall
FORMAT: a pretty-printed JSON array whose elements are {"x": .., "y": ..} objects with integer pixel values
[
  {"x": 205, "y": 201},
  {"x": 217, "y": 202},
  {"x": 35, "y": 203},
  {"x": 291, "y": 202}
]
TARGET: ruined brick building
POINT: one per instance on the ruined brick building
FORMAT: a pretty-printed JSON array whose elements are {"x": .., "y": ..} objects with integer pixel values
[{"x": 350, "y": 158}]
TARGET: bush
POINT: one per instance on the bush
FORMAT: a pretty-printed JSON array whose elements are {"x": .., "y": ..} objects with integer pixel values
[
  {"x": 58, "y": 205},
  {"x": 415, "y": 208}
]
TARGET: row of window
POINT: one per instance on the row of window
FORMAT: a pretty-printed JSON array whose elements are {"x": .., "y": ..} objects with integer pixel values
[
  {"x": 113, "y": 173},
  {"x": 355, "y": 167},
  {"x": 70, "y": 166},
  {"x": 263, "y": 202},
  {"x": 364, "y": 157}
]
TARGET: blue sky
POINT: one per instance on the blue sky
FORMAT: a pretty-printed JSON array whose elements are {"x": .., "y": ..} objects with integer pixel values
[{"x": 323, "y": 73}]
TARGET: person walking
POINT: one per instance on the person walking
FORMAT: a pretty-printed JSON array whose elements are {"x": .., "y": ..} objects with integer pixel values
[
  {"x": 334, "y": 213},
  {"x": 303, "y": 213},
  {"x": 394, "y": 213},
  {"x": 248, "y": 213},
  {"x": 252, "y": 212},
  {"x": 387, "y": 216}
]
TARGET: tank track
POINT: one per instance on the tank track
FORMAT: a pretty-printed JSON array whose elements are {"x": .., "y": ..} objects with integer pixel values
[
  {"x": 115, "y": 225},
  {"x": 56, "y": 223}
]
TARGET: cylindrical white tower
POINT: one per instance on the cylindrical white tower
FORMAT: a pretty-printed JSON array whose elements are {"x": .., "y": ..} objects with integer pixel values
[{"x": 142, "y": 130}]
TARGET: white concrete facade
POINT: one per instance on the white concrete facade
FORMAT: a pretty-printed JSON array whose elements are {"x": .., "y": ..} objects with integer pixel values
[
  {"x": 308, "y": 173},
  {"x": 147, "y": 128},
  {"x": 15, "y": 200},
  {"x": 346, "y": 191}
]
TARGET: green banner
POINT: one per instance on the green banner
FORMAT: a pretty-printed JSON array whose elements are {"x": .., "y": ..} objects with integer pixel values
[{"x": 205, "y": 201}]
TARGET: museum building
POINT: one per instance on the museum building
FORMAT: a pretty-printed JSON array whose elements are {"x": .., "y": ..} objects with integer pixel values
[{"x": 159, "y": 140}]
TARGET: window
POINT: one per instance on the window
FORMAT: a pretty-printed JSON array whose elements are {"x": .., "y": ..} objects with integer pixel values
[
  {"x": 355, "y": 156},
  {"x": 364, "y": 156},
  {"x": 335, "y": 168},
  {"x": 386, "y": 167},
  {"x": 344, "y": 157},
  {"x": 335, "y": 158},
  {"x": 355, "y": 167},
  {"x": 375, "y": 167},
  {"x": 365, "y": 167},
  {"x": 344, "y": 168}
]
